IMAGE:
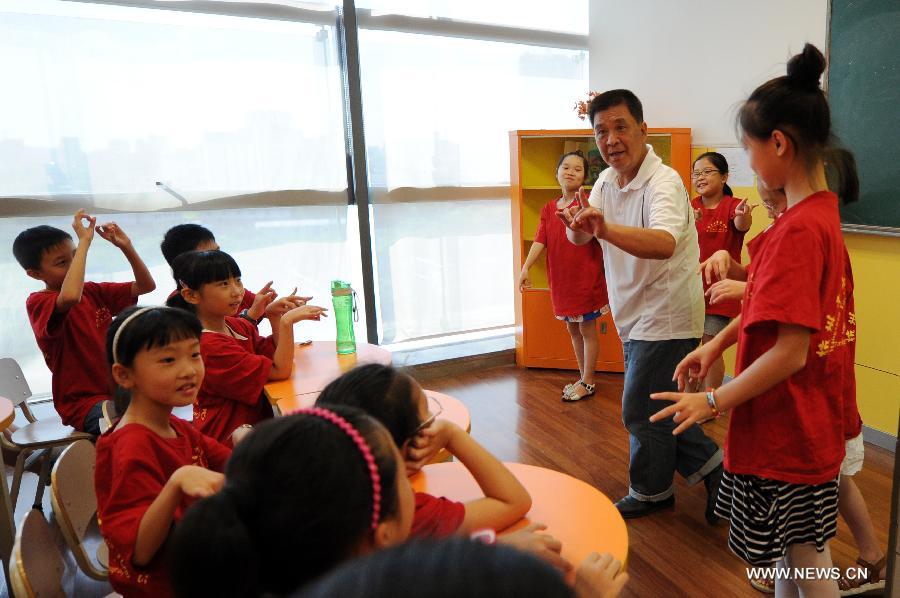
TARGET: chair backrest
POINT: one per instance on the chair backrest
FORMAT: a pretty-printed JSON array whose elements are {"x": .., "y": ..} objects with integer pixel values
[
  {"x": 36, "y": 567},
  {"x": 13, "y": 385},
  {"x": 75, "y": 501}
]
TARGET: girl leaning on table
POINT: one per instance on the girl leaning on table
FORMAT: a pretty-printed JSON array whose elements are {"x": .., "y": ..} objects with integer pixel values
[
  {"x": 150, "y": 464},
  {"x": 399, "y": 403},
  {"x": 575, "y": 273},
  {"x": 795, "y": 337},
  {"x": 239, "y": 362}
]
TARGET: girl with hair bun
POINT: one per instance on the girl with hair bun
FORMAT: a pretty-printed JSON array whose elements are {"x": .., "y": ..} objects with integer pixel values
[
  {"x": 302, "y": 494},
  {"x": 151, "y": 464},
  {"x": 793, "y": 399}
]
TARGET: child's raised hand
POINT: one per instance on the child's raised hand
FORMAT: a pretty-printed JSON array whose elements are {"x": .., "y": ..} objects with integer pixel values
[
  {"x": 686, "y": 410},
  {"x": 716, "y": 266},
  {"x": 544, "y": 546},
  {"x": 599, "y": 576},
  {"x": 197, "y": 482},
  {"x": 115, "y": 235},
  {"x": 698, "y": 214},
  {"x": 285, "y": 304},
  {"x": 304, "y": 312},
  {"x": 84, "y": 232},
  {"x": 264, "y": 297},
  {"x": 726, "y": 290},
  {"x": 743, "y": 208}
]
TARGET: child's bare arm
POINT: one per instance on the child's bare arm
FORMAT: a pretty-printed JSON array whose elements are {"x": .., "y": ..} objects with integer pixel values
[
  {"x": 156, "y": 523},
  {"x": 73, "y": 283},
  {"x": 505, "y": 499},
  {"x": 743, "y": 220},
  {"x": 283, "y": 359},
  {"x": 143, "y": 280},
  {"x": 533, "y": 254}
]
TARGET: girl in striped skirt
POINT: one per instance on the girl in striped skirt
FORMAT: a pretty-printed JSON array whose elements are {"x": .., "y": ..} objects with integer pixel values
[{"x": 796, "y": 337}]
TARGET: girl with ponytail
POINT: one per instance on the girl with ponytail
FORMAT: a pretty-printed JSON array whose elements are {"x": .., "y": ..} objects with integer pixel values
[
  {"x": 302, "y": 494},
  {"x": 239, "y": 361},
  {"x": 150, "y": 464},
  {"x": 793, "y": 399},
  {"x": 721, "y": 221}
]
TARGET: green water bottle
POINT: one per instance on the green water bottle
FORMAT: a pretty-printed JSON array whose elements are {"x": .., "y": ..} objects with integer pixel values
[{"x": 343, "y": 297}]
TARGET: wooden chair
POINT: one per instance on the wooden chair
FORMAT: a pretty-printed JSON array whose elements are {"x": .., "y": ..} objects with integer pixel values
[
  {"x": 39, "y": 436},
  {"x": 75, "y": 505},
  {"x": 36, "y": 568}
]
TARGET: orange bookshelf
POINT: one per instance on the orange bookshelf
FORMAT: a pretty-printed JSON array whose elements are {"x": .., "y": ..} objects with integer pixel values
[{"x": 541, "y": 339}]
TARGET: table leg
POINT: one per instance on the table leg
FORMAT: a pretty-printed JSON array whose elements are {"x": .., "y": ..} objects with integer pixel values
[{"x": 7, "y": 530}]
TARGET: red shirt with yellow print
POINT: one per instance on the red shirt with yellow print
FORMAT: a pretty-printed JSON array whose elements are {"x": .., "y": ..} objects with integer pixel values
[
  {"x": 715, "y": 231},
  {"x": 133, "y": 465},
  {"x": 795, "y": 431}
]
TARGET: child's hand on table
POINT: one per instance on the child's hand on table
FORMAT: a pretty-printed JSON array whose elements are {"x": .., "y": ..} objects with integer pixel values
[
  {"x": 599, "y": 576},
  {"x": 544, "y": 546},
  {"x": 197, "y": 482}
]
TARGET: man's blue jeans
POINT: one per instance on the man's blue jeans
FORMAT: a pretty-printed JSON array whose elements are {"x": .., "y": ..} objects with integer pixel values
[{"x": 655, "y": 453}]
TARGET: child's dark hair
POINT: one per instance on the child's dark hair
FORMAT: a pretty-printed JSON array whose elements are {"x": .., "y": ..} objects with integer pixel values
[
  {"x": 381, "y": 391},
  {"x": 183, "y": 238},
  {"x": 297, "y": 501},
  {"x": 31, "y": 243},
  {"x": 795, "y": 105},
  {"x": 578, "y": 153},
  {"x": 446, "y": 569},
  {"x": 197, "y": 268},
  {"x": 153, "y": 327},
  {"x": 720, "y": 163},
  {"x": 616, "y": 97}
]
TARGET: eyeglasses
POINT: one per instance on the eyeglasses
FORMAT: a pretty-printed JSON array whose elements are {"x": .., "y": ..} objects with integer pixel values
[
  {"x": 434, "y": 414},
  {"x": 706, "y": 172}
]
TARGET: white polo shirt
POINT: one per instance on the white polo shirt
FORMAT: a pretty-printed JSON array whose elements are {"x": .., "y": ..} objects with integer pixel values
[{"x": 652, "y": 300}]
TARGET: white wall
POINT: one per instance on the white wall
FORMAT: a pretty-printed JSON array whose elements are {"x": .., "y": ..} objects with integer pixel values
[{"x": 692, "y": 62}]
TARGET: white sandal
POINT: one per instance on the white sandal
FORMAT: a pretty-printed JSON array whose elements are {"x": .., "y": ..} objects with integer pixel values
[{"x": 572, "y": 395}]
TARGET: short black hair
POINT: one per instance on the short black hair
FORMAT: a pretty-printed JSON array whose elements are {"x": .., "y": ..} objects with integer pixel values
[
  {"x": 444, "y": 569},
  {"x": 616, "y": 97},
  {"x": 183, "y": 238},
  {"x": 383, "y": 392},
  {"x": 30, "y": 244}
]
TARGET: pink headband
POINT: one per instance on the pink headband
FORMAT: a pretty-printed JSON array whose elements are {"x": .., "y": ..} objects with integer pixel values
[{"x": 363, "y": 447}]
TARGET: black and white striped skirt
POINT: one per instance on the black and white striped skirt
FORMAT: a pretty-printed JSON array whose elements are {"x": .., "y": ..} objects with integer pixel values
[{"x": 767, "y": 516}]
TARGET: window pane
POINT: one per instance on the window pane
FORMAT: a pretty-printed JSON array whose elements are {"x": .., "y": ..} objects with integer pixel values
[
  {"x": 438, "y": 112},
  {"x": 570, "y": 16},
  {"x": 305, "y": 247},
  {"x": 110, "y": 99}
]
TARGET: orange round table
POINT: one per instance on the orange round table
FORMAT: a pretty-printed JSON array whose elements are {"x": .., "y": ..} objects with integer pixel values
[
  {"x": 576, "y": 513},
  {"x": 317, "y": 364}
]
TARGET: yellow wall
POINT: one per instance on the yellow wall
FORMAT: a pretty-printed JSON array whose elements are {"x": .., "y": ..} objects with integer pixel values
[{"x": 876, "y": 275}]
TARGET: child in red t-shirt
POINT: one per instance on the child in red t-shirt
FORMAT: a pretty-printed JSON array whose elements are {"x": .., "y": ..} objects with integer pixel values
[
  {"x": 70, "y": 316},
  {"x": 238, "y": 360},
  {"x": 150, "y": 464},
  {"x": 721, "y": 221},
  {"x": 303, "y": 493},
  {"x": 575, "y": 274},
  {"x": 795, "y": 336}
]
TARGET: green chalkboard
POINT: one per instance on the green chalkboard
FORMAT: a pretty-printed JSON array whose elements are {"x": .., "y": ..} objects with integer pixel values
[{"x": 864, "y": 95}]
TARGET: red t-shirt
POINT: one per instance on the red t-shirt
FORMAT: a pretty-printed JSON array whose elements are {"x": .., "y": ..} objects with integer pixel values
[
  {"x": 575, "y": 272},
  {"x": 795, "y": 431},
  {"x": 133, "y": 465},
  {"x": 74, "y": 344},
  {"x": 436, "y": 517},
  {"x": 236, "y": 371},
  {"x": 715, "y": 231},
  {"x": 246, "y": 302}
]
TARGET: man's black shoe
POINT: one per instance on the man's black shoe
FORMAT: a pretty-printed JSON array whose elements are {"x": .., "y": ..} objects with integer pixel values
[
  {"x": 631, "y": 508},
  {"x": 712, "y": 481}
]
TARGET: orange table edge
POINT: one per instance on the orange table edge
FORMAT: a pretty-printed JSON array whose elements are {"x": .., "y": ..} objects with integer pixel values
[{"x": 576, "y": 513}]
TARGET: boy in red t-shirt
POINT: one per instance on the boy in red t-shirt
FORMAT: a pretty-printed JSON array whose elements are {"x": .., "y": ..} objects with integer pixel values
[
  {"x": 575, "y": 274},
  {"x": 70, "y": 316}
]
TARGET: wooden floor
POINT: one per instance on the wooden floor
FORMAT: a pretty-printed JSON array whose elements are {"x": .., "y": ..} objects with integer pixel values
[{"x": 518, "y": 416}]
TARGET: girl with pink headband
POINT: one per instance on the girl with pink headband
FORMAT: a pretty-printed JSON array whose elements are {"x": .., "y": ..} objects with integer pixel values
[{"x": 302, "y": 494}]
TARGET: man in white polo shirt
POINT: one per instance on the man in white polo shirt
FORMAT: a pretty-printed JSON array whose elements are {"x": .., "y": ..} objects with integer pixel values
[{"x": 641, "y": 214}]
